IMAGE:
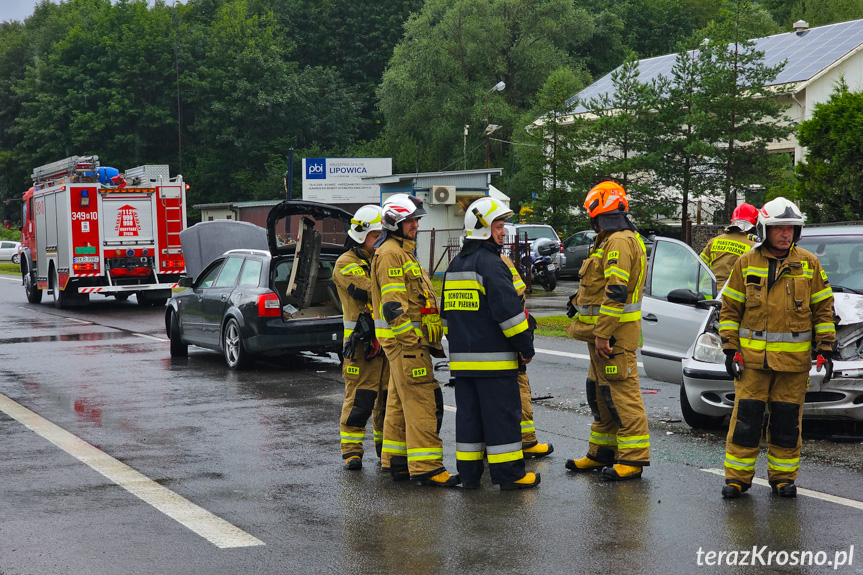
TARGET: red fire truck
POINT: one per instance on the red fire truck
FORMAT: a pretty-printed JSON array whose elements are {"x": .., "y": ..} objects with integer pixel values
[{"x": 88, "y": 229}]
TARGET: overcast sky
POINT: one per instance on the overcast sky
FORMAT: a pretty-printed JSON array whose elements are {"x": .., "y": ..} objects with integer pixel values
[{"x": 16, "y": 9}]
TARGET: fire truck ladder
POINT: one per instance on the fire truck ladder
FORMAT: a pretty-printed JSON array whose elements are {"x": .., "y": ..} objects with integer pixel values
[{"x": 71, "y": 166}]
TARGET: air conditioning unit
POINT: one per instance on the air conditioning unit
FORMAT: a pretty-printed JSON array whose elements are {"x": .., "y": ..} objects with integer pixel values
[{"x": 442, "y": 195}]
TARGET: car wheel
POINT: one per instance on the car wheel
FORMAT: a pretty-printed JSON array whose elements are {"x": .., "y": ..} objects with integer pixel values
[
  {"x": 15, "y": 259},
  {"x": 31, "y": 288},
  {"x": 178, "y": 348},
  {"x": 697, "y": 420},
  {"x": 236, "y": 355}
]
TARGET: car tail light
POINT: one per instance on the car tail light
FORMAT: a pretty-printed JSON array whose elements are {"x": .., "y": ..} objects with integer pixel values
[{"x": 269, "y": 305}]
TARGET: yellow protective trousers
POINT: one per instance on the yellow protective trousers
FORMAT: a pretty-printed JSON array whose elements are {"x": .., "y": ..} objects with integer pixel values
[
  {"x": 619, "y": 431},
  {"x": 414, "y": 414},
  {"x": 366, "y": 384},
  {"x": 781, "y": 394},
  {"x": 528, "y": 431}
]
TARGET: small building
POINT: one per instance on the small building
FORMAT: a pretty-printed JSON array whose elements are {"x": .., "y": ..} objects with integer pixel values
[{"x": 445, "y": 196}]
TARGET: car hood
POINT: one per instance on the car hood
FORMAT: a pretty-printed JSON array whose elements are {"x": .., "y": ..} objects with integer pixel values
[
  {"x": 204, "y": 242},
  {"x": 289, "y": 208}
]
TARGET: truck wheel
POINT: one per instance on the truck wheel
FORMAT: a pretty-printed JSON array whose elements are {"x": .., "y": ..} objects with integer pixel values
[
  {"x": 178, "y": 348},
  {"x": 60, "y": 297},
  {"x": 697, "y": 420},
  {"x": 232, "y": 343},
  {"x": 31, "y": 288}
]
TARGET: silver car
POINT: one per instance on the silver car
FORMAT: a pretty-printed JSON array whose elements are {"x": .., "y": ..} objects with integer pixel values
[
  {"x": 9, "y": 251},
  {"x": 535, "y": 232},
  {"x": 680, "y": 328}
]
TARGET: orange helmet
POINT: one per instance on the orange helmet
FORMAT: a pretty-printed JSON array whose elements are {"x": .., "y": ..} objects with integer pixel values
[{"x": 606, "y": 197}]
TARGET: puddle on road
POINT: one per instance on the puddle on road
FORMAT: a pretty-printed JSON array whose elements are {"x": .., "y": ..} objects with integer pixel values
[{"x": 97, "y": 336}]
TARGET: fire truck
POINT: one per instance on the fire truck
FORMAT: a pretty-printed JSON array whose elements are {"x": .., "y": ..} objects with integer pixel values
[{"x": 87, "y": 229}]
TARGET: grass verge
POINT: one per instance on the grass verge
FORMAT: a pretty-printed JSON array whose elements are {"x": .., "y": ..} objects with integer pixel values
[
  {"x": 552, "y": 325},
  {"x": 10, "y": 269}
]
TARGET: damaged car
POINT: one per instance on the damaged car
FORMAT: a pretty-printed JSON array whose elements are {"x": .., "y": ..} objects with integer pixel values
[
  {"x": 251, "y": 292},
  {"x": 680, "y": 317}
]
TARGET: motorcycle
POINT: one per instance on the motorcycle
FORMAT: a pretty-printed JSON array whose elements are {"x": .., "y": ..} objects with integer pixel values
[{"x": 542, "y": 267}]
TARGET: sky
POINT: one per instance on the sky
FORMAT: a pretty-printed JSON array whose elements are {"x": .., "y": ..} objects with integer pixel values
[{"x": 16, "y": 9}]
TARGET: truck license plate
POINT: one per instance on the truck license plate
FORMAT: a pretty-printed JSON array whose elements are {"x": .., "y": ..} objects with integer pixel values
[{"x": 85, "y": 259}]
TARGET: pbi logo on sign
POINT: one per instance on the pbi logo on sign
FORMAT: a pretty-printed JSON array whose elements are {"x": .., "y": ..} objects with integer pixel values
[{"x": 316, "y": 168}]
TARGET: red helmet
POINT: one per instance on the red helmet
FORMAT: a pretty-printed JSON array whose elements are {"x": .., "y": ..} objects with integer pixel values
[
  {"x": 604, "y": 198},
  {"x": 746, "y": 212}
]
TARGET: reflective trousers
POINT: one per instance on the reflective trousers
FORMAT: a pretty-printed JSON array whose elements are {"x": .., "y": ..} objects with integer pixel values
[
  {"x": 528, "y": 431},
  {"x": 781, "y": 394},
  {"x": 619, "y": 430},
  {"x": 414, "y": 414},
  {"x": 366, "y": 384},
  {"x": 487, "y": 424}
]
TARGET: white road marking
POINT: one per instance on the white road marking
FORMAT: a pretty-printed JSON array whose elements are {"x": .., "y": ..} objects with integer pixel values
[
  {"x": 568, "y": 354},
  {"x": 801, "y": 491},
  {"x": 209, "y": 526},
  {"x": 449, "y": 408},
  {"x": 79, "y": 320},
  {"x": 17, "y": 280},
  {"x": 161, "y": 339}
]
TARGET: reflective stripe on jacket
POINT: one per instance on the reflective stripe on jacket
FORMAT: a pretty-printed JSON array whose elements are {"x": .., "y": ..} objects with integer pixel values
[
  {"x": 611, "y": 284},
  {"x": 774, "y": 326},
  {"x": 486, "y": 324},
  {"x": 721, "y": 252},
  {"x": 351, "y": 276},
  {"x": 400, "y": 289}
]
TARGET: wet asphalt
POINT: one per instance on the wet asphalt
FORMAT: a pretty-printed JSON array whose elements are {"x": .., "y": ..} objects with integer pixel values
[{"x": 259, "y": 449}]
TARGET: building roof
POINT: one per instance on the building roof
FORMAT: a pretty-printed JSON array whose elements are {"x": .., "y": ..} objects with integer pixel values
[{"x": 808, "y": 53}]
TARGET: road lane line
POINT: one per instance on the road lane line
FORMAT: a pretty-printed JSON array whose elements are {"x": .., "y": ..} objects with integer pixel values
[
  {"x": 160, "y": 339},
  {"x": 449, "y": 408},
  {"x": 16, "y": 280},
  {"x": 568, "y": 354},
  {"x": 79, "y": 320},
  {"x": 802, "y": 491},
  {"x": 209, "y": 526}
]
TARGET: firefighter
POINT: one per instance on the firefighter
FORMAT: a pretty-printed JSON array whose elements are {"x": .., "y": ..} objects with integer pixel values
[
  {"x": 721, "y": 252},
  {"x": 365, "y": 368},
  {"x": 408, "y": 326},
  {"x": 607, "y": 311},
  {"x": 776, "y": 307},
  {"x": 530, "y": 446},
  {"x": 489, "y": 338}
]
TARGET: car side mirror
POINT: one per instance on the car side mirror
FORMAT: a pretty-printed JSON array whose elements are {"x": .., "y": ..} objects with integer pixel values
[
  {"x": 185, "y": 282},
  {"x": 685, "y": 296}
]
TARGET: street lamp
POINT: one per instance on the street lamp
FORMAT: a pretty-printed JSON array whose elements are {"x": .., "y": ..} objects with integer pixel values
[{"x": 497, "y": 88}]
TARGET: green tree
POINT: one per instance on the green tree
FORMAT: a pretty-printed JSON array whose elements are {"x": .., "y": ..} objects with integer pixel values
[
  {"x": 830, "y": 180},
  {"x": 452, "y": 53},
  {"x": 737, "y": 116}
]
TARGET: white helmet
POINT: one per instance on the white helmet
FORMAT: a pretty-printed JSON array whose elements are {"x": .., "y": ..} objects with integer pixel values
[
  {"x": 400, "y": 207},
  {"x": 367, "y": 219},
  {"x": 479, "y": 216},
  {"x": 779, "y": 212}
]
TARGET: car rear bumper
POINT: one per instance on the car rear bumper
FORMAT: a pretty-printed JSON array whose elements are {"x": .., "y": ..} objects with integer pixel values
[
  {"x": 275, "y": 335},
  {"x": 711, "y": 391}
]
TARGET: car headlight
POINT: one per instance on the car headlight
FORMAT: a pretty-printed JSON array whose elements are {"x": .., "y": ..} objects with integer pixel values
[{"x": 708, "y": 348}]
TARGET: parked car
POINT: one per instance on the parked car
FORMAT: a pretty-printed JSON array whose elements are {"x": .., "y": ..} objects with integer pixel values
[
  {"x": 680, "y": 327},
  {"x": 535, "y": 232},
  {"x": 249, "y": 302},
  {"x": 9, "y": 251},
  {"x": 576, "y": 248}
]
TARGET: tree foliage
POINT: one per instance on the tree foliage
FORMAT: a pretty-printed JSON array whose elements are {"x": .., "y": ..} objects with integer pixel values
[{"x": 830, "y": 180}]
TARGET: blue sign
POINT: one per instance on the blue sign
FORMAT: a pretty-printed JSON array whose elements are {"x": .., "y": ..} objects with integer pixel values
[{"x": 316, "y": 168}]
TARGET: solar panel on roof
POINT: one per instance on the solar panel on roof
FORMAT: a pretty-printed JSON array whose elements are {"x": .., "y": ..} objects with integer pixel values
[{"x": 807, "y": 54}]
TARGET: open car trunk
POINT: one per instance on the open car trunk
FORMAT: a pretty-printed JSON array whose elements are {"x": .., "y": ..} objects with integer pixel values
[{"x": 302, "y": 270}]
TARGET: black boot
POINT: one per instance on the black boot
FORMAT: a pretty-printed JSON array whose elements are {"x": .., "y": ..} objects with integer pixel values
[{"x": 784, "y": 488}]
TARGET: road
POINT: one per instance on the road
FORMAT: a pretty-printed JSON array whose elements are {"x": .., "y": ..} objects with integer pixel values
[{"x": 119, "y": 459}]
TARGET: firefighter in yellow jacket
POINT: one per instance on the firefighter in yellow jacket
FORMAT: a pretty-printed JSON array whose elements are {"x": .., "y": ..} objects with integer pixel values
[
  {"x": 721, "y": 252},
  {"x": 531, "y": 447},
  {"x": 776, "y": 308},
  {"x": 408, "y": 326},
  {"x": 607, "y": 311},
  {"x": 365, "y": 368}
]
